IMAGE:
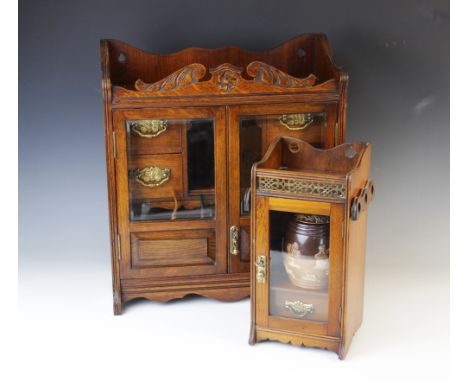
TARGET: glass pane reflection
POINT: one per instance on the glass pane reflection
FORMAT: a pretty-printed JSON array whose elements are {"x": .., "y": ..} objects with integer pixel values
[
  {"x": 299, "y": 266},
  {"x": 171, "y": 171}
]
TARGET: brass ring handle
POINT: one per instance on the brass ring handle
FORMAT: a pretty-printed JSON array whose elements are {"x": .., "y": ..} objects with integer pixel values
[
  {"x": 361, "y": 201},
  {"x": 152, "y": 176},
  {"x": 296, "y": 121},
  {"x": 299, "y": 308},
  {"x": 149, "y": 128}
]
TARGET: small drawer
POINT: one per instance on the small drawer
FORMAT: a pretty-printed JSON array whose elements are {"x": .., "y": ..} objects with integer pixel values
[
  {"x": 155, "y": 177},
  {"x": 309, "y": 127},
  {"x": 302, "y": 305},
  {"x": 287, "y": 300},
  {"x": 154, "y": 136}
]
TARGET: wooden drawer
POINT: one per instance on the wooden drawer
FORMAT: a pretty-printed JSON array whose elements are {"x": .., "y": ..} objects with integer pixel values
[
  {"x": 287, "y": 300},
  {"x": 168, "y": 249},
  {"x": 313, "y": 133},
  {"x": 155, "y": 176},
  {"x": 154, "y": 136}
]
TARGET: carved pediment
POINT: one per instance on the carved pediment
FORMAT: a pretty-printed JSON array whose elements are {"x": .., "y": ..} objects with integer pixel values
[{"x": 225, "y": 79}]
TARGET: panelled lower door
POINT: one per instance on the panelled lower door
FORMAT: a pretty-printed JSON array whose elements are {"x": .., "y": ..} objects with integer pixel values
[
  {"x": 251, "y": 129},
  {"x": 171, "y": 191},
  {"x": 299, "y": 280}
]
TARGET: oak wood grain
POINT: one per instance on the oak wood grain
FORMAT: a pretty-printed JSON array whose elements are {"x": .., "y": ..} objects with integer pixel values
[
  {"x": 299, "y": 76},
  {"x": 348, "y": 165}
]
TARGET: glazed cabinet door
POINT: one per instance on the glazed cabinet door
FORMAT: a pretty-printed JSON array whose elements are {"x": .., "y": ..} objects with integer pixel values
[
  {"x": 171, "y": 191},
  {"x": 251, "y": 129},
  {"x": 298, "y": 265}
]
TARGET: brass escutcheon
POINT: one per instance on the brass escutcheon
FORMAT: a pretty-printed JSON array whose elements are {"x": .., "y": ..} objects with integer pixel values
[
  {"x": 296, "y": 121},
  {"x": 149, "y": 128},
  {"x": 299, "y": 308},
  {"x": 152, "y": 176}
]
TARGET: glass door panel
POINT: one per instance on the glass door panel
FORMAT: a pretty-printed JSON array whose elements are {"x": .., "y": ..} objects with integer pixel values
[
  {"x": 251, "y": 130},
  {"x": 299, "y": 266},
  {"x": 171, "y": 183},
  {"x": 256, "y": 132},
  {"x": 171, "y": 169}
]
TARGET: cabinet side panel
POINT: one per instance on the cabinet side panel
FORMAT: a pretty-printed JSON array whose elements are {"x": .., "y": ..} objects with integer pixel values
[
  {"x": 355, "y": 259},
  {"x": 111, "y": 187}
]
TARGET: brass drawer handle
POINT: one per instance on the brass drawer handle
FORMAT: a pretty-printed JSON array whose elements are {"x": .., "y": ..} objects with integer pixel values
[
  {"x": 261, "y": 269},
  {"x": 149, "y": 128},
  {"x": 234, "y": 240},
  {"x": 152, "y": 176},
  {"x": 296, "y": 121},
  {"x": 299, "y": 308}
]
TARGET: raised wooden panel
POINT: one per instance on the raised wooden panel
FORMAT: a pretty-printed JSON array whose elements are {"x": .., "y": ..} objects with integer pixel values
[{"x": 169, "y": 249}]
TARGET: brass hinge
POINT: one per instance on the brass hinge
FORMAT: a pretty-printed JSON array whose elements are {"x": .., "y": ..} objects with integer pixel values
[
  {"x": 114, "y": 144},
  {"x": 336, "y": 133},
  {"x": 119, "y": 251},
  {"x": 261, "y": 269}
]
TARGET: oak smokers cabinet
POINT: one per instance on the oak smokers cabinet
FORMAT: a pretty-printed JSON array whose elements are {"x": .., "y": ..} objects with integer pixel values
[
  {"x": 182, "y": 132},
  {"x": 309, "y": 235}
]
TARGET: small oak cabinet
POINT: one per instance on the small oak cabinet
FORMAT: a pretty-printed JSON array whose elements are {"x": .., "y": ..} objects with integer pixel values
[
  {"x": 182, "y": 133},
  {"x": 308, "y": 242}
]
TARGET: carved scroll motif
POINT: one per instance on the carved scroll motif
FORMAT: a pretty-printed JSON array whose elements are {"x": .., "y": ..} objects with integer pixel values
[
  {"x": 270, "y": 75},
  {"x": 186, "y": 76},
  {"x": 225, "y": 79}
]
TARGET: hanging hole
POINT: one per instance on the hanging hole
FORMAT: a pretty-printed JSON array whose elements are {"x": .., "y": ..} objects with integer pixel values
[
  {"x": 365, "y": 197},
  {"x": 122, "y": 58},
  {"x": 359, "y": 208},
  {"x": 350, "y": 152},
  {"x": 294, "y": 147},
  {"x": 372, "y": 189},
  {"x": 301, "y": 53}
]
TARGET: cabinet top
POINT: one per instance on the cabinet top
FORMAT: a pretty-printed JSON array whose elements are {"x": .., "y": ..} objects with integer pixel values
[
  {"x": 294, "y": 157},
  {"x": 294, "y": 168},
  {"x": 301, "y": 65}
]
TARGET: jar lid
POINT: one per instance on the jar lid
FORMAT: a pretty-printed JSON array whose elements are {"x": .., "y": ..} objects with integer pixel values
[{"x": 312, "y": 219}]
